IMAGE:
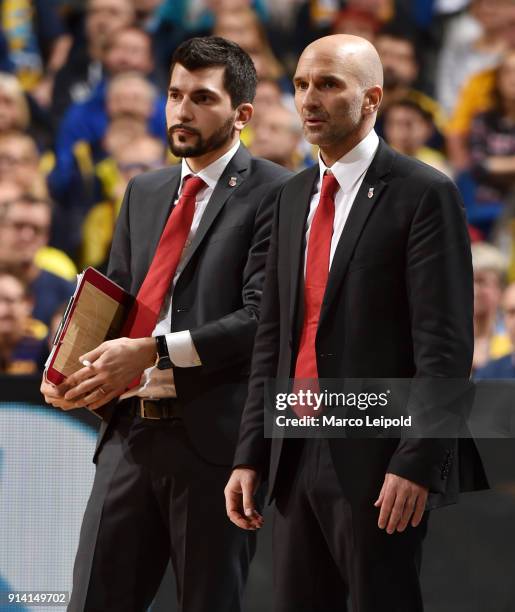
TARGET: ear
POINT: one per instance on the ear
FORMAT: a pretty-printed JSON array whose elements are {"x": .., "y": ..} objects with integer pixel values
[
  {"x": 244, "y": 114},
  {"x": 372, "y": 99}
]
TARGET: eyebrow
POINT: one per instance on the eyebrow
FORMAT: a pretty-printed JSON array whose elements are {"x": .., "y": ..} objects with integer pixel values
[
  {"x": 321, "y": 77},
  {"x": 202, "y": 90}
]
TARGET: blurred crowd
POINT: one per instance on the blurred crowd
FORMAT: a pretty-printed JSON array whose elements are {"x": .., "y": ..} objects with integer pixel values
[{"x": 82, "y": 97}]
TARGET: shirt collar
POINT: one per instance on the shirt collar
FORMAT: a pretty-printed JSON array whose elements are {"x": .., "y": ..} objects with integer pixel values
[
  {"x": 351, "y": 166},
  {"x": 210, "y": 174}
]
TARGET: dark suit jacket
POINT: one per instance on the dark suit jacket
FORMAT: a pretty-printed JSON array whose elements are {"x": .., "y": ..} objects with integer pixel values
[
  {"x": 398, "y": 304},
  {"x": 217, "y": 295}
]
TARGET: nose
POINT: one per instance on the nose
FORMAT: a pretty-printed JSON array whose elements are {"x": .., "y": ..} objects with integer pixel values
[
  {"x": 184, "y": 110},
  {"x": 27, "y": 234},
  {"x": 310, "y": 99}
]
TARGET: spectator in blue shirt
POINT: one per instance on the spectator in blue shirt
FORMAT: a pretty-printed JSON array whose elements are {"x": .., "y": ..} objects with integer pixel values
[
  {"x": 504, "y": 367},
  {"x": 130, "y": 49},
  {"x": 24, "y": 230},
  {"x": 75, "y": 81}
]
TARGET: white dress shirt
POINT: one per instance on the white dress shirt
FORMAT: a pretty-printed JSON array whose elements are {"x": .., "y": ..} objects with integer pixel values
[
  {"x": 349, "y": 171},
  {"x": 157, "y": 383}
]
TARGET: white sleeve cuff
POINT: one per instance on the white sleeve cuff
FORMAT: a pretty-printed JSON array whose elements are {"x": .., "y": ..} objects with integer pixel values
[{"x": 181, "y": 349}]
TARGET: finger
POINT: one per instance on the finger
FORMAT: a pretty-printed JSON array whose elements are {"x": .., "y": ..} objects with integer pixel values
[
  {"x": 47, "y": 391},
  {"x": 45, "y": 387},
  {"x": 407, "y": 513},
  {"x": 379, "y": 500},
  {"x": 386, "y": 507},
  {"x": 70, "y": 406},
  {"x": 232, "y": 499},
  {"x": 235, "y": 507},
  {"x": 84, "y": 388},
  {"x": 96, "y": 395},
  {"x": 235, "y": 510},
  {"x": 80, "y": 376},
  {"x": 93, "y": 355},
  {"x": 249, "y": 506},
  {"x": 255, "y": 520},
  {"x": 396, "y": 513},
  {"x": 62, "y": 404},
  {"x": 53, "y": 391},
  {"x": 98, "y": 402},
  {"x": 53, "y": 395},
  {"x": 55, "y": 401},
  {"x": 419, "y": 509}
]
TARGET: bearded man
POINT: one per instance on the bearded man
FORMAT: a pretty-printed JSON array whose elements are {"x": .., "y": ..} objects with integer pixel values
[{"x": 190, "y": 243}]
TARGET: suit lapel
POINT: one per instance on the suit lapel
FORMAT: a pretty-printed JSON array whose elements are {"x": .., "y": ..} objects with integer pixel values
[
  {"x": 164, "y": 197},
  {"x": 232, "y": 177},
  {"x": 366, "y": 199},
  {"x": 297, "y": 237}
]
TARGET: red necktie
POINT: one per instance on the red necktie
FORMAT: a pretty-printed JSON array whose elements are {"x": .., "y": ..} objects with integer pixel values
[
  {"x": 317, "y": 272},
  {"x": 145, "y": 311}
]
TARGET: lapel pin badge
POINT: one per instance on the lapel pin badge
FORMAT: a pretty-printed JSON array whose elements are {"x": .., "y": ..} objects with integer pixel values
[
  {"x": 371, "y": 192},
  {"x": 232, "y": 181}
]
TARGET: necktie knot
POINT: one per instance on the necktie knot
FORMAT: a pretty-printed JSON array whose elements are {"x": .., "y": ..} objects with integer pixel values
[
  {"x": 191, "y": 186},
  {"x": 329, "y": 186}
]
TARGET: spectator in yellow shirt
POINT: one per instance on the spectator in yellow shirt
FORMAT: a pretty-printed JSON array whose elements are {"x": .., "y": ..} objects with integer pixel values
[
  {"x": 144, "y": 153},
  {"x": 476, "y": 96},
  {"x": 408, "y": 128}
]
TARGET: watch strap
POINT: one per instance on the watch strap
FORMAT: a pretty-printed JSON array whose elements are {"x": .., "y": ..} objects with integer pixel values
[{"x": 163, "y": 356}]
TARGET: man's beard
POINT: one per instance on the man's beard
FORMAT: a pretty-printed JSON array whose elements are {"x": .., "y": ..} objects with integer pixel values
[{"x": 217, "y": 139}]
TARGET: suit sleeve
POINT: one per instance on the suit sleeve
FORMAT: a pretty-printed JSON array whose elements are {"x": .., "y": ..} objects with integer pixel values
[
  {"x": 253, "y": 449},
  {"x": 440, "y": 295},
  {"x": 228, "y": 341}
]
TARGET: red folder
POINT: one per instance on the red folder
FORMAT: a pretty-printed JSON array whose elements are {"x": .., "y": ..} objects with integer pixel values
[{"x": 95, "y": 313}]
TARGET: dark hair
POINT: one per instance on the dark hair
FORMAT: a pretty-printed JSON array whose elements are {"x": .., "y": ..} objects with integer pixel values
[
  {"x": 400, "y": 33},
  {"x": 240, "y": 78},
  {"x": 412, "y": 105}
]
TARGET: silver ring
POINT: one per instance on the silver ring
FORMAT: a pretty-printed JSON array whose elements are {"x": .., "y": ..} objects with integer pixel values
[{"x": 102, "y": 391}]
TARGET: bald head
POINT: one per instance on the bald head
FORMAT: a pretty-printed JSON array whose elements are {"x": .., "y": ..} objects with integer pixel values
[
  {"x": 338, "y": 90},
  {"x": 355, "y": 56}
]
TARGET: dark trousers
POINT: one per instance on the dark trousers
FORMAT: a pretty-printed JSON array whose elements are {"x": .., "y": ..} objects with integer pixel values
[
  {"x": 329, "y": 551},
  {"x": 154, "y": 498}
]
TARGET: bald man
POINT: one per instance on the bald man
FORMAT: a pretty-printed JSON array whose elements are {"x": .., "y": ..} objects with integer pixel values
[{"x": 368, "y": 276}]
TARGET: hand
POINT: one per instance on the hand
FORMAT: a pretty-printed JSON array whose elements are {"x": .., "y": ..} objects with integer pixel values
[
  {"x": 42, "y": 93},
  {"x": 400, "y": 500},
  {"x": 54, "y": 394},
  {"x": 239, "y": 499},
  {"x": 114, "y": 365}
]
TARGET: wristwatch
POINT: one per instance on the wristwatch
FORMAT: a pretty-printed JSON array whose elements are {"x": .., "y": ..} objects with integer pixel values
[{"x": 163, "y": 357}]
